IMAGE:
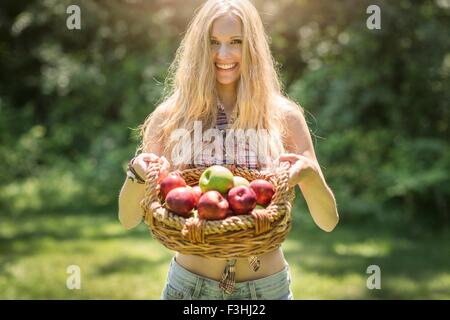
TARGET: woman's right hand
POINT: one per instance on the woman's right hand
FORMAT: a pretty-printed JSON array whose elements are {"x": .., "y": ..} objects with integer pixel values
[{"x": 142, "y": 161}]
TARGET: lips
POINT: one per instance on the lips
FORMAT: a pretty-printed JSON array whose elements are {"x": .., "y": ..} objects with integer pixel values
[{"x": 227, "y": 70}]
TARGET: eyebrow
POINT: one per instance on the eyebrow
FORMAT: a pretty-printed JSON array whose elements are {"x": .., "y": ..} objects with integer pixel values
[{"x": 231, "y": 37}]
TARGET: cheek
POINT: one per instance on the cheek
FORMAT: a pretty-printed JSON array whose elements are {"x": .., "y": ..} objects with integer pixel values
[{"x": 238, "y": 55}]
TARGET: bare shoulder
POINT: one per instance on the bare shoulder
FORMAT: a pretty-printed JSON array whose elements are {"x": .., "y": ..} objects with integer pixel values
[
  {"x": 162, "y": 110},
  {"x": 297, "y": 137},
  {"x": 158, "y": 118},
  {"x": 291, "y": 113},
  {"x": 151, "y": 129}
]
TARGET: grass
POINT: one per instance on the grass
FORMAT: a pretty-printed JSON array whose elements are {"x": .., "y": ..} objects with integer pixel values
[{"x": 36, "y": 250}]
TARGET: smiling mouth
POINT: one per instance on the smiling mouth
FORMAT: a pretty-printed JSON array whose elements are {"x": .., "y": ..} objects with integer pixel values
[{"x": 226, "y": 67}]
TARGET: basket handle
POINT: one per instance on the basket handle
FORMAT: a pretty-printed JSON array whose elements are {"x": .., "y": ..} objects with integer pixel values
[
  {"x": 282, "y": 174},
  {"x": 151, "y": 187}
]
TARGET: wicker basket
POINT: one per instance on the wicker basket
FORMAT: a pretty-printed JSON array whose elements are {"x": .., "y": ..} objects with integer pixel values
[{"x": 242, "y": 236}]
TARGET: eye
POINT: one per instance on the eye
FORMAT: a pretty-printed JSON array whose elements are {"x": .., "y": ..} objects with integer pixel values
[{"x": 233, "y": 42}]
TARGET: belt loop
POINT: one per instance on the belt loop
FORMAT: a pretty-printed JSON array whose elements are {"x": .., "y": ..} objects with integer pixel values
[
  {"x": 198, "y": 287},
  {"x": 252, "y": 287}
]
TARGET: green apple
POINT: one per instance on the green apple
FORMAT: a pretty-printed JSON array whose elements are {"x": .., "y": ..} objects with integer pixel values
[
  {"x": 239, "y": 181},
  {"x": 216, "y": 178}
]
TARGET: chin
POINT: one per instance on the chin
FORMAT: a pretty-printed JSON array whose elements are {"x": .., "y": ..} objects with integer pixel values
[{"x": 227, "y": 81}]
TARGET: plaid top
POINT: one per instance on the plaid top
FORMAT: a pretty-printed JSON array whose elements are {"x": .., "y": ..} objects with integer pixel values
[
  {"x": 249, "y": 159},
  {"x": 227, "y": 283}
]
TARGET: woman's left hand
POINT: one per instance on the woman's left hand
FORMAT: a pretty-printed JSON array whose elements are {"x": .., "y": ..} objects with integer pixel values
[{"x": 302, "y": 168}]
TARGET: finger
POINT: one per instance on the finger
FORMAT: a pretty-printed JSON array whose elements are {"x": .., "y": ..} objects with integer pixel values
[
  {"x": 163, "y": 173},
  {"x": 166, "y": 164},
  {"x": 149, "y": 157},
  {"x": 164, "y": 159},
  {"x": 145, "y": 161},
  {"x": 140, "y": 166},
  {"x": 288, "y": 155},
  {"x": 295, "y": 169},
  {"x": 284, "y": 156},
  {"x": 291, "y": 158}
]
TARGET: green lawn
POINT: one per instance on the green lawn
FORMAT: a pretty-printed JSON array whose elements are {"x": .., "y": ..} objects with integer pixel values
[{"x": 36, "y": 250}]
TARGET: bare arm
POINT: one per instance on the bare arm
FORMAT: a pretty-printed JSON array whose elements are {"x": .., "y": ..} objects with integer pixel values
[
  {"x": 132, "y": 193},
  {"x": 306, "y": 172},
  {"x": 130, "y": 197}
]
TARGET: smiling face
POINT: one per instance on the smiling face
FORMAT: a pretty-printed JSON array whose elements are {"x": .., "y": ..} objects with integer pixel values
[{"x": 226, "y": 44}]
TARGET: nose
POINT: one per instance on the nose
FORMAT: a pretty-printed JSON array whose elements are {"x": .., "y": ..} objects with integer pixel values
[{"x": 223, "y": 52}]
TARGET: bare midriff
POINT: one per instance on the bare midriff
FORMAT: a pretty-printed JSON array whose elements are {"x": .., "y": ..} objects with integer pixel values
[{"x": 212, "y": 268}]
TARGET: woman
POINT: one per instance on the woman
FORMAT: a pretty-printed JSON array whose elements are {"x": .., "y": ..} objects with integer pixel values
[{"x": 223, "y": 76}]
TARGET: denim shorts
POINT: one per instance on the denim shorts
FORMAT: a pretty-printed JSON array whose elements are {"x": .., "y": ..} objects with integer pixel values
[{"x": 182, "y": 284}]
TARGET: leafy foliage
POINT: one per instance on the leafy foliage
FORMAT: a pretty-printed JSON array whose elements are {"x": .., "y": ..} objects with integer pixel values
[{"x": 376, "y": 100}]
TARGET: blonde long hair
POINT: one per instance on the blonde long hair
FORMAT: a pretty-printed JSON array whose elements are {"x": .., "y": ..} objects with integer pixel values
[{"x": 190, "y": 87}]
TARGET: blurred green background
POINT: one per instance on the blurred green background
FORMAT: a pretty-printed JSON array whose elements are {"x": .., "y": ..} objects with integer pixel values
[{"x": 377, "y": 103}]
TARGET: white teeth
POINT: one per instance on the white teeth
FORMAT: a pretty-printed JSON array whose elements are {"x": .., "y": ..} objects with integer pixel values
[{"x": 226, "y": 66}]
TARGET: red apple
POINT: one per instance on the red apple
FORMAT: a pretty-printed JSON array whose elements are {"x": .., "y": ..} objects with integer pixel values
[
  {"x": 242, "y": 199},
  {"x": 171, "y": 182},
  {"x": 264, "y": 191},
  {"x": 197, "y": 193},
  {"x": 212, "y": 206},
  {"x": 181, "y": 200}
]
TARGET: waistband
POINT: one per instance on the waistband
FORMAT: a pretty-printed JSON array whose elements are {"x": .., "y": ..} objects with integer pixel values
[{"x": 179, "y": 274}]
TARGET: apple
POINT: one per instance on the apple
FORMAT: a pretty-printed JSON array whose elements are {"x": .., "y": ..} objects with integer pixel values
[
  {"x": 264, "y": 191},
  {"x": 240, "y": 181},
  {"x": 212, "y": 206},
  {"x": 181, "y": 200},
  {"x": 197, "y": 193},
  {"x": 171, "y": 182},
  {"x": 242, "y": 199},
  {"x": 216, "y": 178}
]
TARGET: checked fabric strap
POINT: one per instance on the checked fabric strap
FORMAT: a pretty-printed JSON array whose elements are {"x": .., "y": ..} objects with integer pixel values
[{"x": 228, "y": 277}]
